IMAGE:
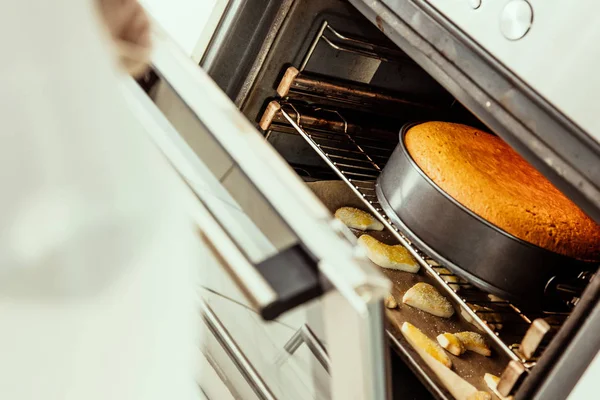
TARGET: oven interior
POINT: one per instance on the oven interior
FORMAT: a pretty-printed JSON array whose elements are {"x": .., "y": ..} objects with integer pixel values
[{"x": 330, "y": 93}]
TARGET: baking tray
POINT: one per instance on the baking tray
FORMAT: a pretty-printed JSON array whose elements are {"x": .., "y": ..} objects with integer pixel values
[
  {"x": 470, "y": 366},
  {"x": 470, "y": 246}
]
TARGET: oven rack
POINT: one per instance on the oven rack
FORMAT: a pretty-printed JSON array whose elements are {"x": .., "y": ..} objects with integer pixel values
[
  {"x": 352, "y": 45},
  {"x": 351, "y": 129},
  {"x": 358, "y": 158}
]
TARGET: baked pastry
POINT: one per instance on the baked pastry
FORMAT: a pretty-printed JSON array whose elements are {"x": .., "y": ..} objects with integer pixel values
[
  {"x": 474, "y": 342},
  {"x": 480, "y": 396},
  {"x": 457, "y": 386},
  {"x": 451, "y": 343},
  {"x": 488, "y": 177},
  {"x": 390, "y": 301},
  {"x": 427, "y": 298},
  {"x": 419, "y": 340},
  {"x": 386, "y": 256},
  {"x": 358, "y": 219},
  {"x": 492, "y": 382}
]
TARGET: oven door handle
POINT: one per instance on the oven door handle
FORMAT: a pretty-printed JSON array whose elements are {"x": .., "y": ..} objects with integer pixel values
[
  {"x": 282, "y": 279},
  {"x": 273, "y": 286}
]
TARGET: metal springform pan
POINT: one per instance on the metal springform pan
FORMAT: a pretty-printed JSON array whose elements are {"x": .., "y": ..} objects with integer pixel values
[{"x": 470, "y": 246}]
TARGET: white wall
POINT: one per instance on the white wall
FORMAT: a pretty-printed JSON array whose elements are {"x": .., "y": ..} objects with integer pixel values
[
  {"x": 189, "y": 22},
  {"x": 588, "y": 385}
]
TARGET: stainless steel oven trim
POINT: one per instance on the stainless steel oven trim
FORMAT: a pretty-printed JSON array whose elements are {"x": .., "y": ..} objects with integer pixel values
[{"x": 507, "y": 105}]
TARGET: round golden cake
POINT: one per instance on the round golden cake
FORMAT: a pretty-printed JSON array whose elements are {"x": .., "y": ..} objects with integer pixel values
[{"x": 488, "y": 177}]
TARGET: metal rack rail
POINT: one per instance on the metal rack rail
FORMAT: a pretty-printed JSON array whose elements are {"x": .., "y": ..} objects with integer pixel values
[{"x": 348, "y": 44}]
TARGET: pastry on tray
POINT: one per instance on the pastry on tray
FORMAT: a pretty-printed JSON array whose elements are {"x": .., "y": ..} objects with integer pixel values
[
  {"x": 419, "y": 340},
  {"x": 451, "y": 343},
  {"x": 386, "y": 256},
  {"x": 427, "y": 298},
  {"x": 390, "y": 302},
  {"x": 492, "y": 382},
  {"x": 480, "y": 396},
  {"x": 474, "y": 342},
  {"x": 358, "y": 219}
]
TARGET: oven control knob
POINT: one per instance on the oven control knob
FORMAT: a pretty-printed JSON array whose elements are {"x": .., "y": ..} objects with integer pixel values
[
  {"x": 516, "y": 19},
  {"x": 475, "y": 4}
]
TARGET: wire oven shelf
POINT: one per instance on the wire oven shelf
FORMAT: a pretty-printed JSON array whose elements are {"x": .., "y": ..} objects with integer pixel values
[
  {"x": 354, "y": 130},
  {"x": 358, "y": 159},
  {"x": 347, "y": 44}
]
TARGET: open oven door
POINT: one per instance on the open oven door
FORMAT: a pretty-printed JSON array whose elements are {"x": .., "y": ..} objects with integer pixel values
[{"x": 278, "y": 244}]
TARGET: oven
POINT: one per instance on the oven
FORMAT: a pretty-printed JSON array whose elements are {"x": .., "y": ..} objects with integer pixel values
[{"x": 295, "y": 111}]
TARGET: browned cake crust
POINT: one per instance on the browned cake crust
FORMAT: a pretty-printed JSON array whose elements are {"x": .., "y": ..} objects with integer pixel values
[{"x": 489, "y": 178}]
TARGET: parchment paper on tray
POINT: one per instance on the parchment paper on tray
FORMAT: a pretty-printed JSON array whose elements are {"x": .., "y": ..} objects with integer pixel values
[{"x": 470, "y": 366}]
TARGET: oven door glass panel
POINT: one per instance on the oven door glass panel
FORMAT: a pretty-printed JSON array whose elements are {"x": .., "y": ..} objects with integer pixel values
[{"x": 265, "y": 223}]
